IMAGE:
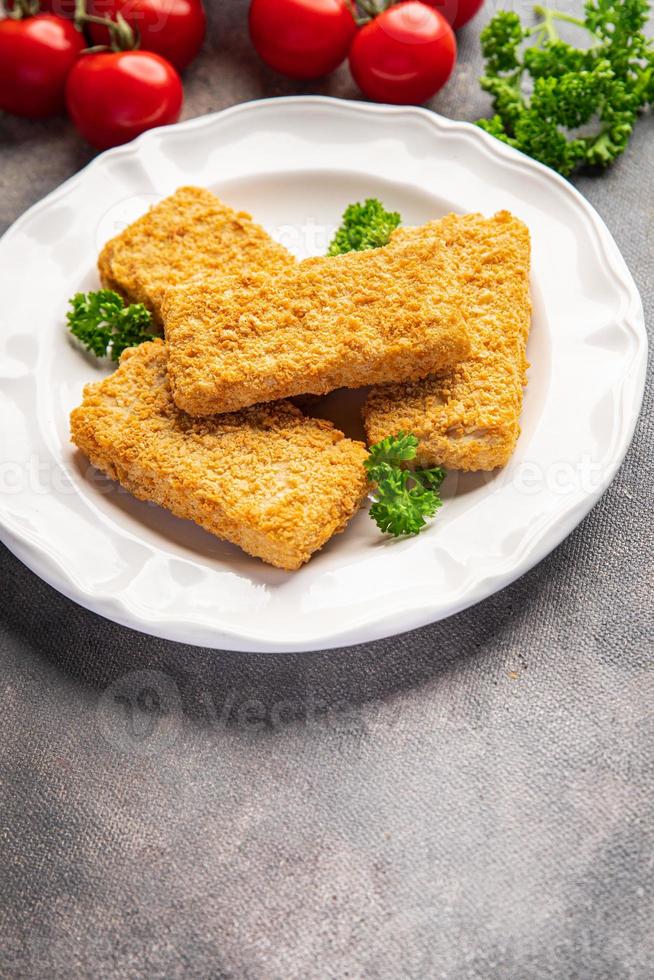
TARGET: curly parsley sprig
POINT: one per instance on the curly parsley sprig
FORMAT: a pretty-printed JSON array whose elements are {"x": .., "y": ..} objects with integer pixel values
[
  {"x": 403, "y": 498},
  {"x": 367, "y": 225},
  {"x": 603, "y": 85},
  {"x": 105, "y": 326}
]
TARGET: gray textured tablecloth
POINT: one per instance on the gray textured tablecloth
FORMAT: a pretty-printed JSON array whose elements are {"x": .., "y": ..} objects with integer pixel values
[{"x": 470, "y": 800}]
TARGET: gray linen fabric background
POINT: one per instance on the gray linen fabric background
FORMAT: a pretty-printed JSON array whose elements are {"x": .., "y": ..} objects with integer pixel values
[{"x": 470, "y": 800}]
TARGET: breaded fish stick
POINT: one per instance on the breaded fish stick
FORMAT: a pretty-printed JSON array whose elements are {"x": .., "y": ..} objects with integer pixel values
[
  {"x": 344, "y": 321},
  {"x": 187, "y": 234},
  {"x": 467, "y": 417},
  {"x": 267, "y": 478}
]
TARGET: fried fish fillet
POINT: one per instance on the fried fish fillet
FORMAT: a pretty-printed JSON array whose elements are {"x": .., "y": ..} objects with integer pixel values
[
  {"x": 268, "y": 479},
  {"x": 189, "y": 233},
  {"x": 387, "y": 314},
  {"x": 467, "y": 417}
]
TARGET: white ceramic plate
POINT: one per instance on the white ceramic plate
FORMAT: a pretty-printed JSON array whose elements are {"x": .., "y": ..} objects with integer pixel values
[{"x": 295, "y": 163}]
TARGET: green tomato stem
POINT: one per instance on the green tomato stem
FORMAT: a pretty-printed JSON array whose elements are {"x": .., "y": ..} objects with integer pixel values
[
  {"x": 122, "y": 36},
  {"x": 22, "y": 8}
]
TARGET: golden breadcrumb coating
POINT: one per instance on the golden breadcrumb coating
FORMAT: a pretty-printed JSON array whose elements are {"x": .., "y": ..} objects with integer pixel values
[
  {"x": 343, "y": 321},
  {"x": 267, "y": 478},
  {"x": 467, "y": 417},
  {"x": 187, "y": 234}
]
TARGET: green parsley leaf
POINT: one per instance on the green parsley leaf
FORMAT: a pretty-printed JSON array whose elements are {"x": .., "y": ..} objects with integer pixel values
[
  {"x": 403, "y": 498},
  {"x": 393, "y": 450},
  {"x": 431, "y": 479},
  {"x": 105, "y": 326},
  {"x": 367, "y": 225}
]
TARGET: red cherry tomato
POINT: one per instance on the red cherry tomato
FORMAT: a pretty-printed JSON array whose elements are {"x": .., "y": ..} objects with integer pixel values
[
  {"x": 174, "y": 29},
  {"x": 36, "y": 55},
  {"x": 302, "y": 38},
  {"x": 456, "y": 12},
  {"x": 114, "y": 96},
  {"x": 405, "y": 55}
]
